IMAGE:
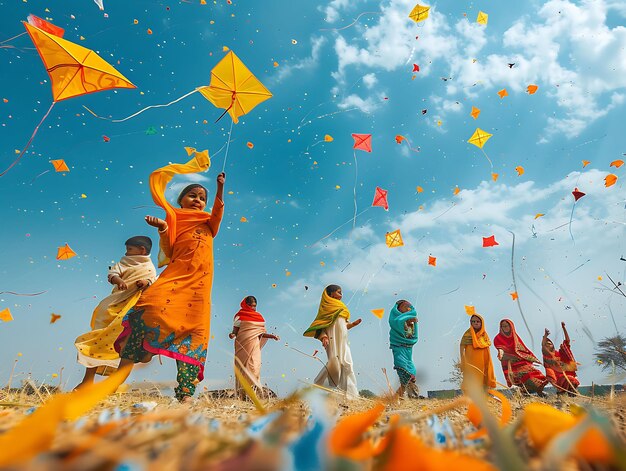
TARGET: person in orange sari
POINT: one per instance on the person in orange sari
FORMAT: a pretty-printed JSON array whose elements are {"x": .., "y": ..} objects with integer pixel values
[
  {"x": 560, "y": 365},
  {"x": 250, "y": 337},
  {"x": 475, "y": 357},
  {"x": 517, "y": 360},
  {"x": 173, "y": 316}
]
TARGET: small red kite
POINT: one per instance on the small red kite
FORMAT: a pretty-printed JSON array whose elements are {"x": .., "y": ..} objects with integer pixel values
[
  {"x": 531, "y": 89},
  {"x": 432, "y": 261},
  {"x": 489, "y": 241},
  {"x": 362, "y": 142},
  {"x": 416, "y": 68},
  {"x": 578, "y": 194},
  {"x": 380, "y": 198},
  {"x": 502, "y": 93},
  {"x": 54, "y": 317}
]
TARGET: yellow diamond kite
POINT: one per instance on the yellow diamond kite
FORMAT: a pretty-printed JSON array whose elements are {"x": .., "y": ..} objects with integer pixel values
[
  {"x": 419, "y": 13},
  {"x": 479, "y": 138},
  {"x": 482, "y": 18},
  {"x": 394, "y": 239},
  {"x": 234, "y": 88}
]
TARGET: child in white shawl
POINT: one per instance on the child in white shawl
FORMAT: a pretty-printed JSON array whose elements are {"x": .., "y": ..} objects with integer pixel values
[{"x": 130, "y": 276}]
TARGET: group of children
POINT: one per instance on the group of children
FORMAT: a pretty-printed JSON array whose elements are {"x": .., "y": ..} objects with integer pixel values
[{"x": 170, "y": 315}]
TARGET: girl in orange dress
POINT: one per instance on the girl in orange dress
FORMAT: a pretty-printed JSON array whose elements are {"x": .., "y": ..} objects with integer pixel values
[
  {"x": 475, "y": 357},
  {"x": 173, "y": 317}
]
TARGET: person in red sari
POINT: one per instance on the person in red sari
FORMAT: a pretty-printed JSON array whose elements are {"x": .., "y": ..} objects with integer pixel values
[
  {"x": 517, "y": 360},
  {"x": 560, "y": 365}
]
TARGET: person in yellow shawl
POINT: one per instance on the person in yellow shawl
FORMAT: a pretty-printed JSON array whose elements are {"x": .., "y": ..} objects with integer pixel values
[
  {"x": 475, "y": 359},
  {"x": 331, "y": 327},
  {"x": 173, "y": 317},
  {"x": 132, "y": 274}
]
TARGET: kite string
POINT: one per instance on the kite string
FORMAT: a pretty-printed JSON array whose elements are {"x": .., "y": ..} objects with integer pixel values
[
  {"x": 29, "y": 141},
  {"x": 571, "y": 216},
  {"x": 487, "y": 157},
  {"x": 227, "y": 145},
  {"x": 142, "y": 110},
  {"x": 519, "y": 305},
  {"x": 356, "y": 176},
  {"x": 354, "y": 22},
  {"x": 14, "y": 37}
]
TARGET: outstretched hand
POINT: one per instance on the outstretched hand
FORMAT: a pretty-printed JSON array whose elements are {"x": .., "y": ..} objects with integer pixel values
[
  {"x": 354, "y": 324},
  {"x": 153, "y": 221},
  {"x": 546, "y": 333},
  {"x": 563, "y": 324},
  {"x": 272, "y": 336},
  {"x": 221, "y": 178}
]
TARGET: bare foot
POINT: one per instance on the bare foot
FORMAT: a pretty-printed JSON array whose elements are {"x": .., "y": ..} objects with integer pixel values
[{"x": 186, "y": 400}]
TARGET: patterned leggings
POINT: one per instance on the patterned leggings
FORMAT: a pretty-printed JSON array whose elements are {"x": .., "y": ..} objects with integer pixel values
[{"x": 187, "y": 373}]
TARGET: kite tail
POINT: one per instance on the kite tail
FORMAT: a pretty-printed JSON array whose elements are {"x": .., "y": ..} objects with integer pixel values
[
  {"x": 571, "y": 216},
  {"x": 356, "y": 176},
  {"x": 142, "y": 110},
  {"x": 519, "y": 305},
  {"x": 29, "y": 141},
  {"x": 227, "y": 144},
  {"x": 487, "y": 157}
]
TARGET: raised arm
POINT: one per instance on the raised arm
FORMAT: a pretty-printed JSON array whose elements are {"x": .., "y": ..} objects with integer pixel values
[
  {"x": 217, "y": 212},
  {"x": 565, "y": 333}
]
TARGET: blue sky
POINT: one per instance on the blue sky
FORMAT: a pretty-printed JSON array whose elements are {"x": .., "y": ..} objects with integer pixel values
[{"x": 294, "y": 189}]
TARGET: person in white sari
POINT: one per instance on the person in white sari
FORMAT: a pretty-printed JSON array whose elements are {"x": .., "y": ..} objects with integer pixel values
[{"x": 331, "y": 328}]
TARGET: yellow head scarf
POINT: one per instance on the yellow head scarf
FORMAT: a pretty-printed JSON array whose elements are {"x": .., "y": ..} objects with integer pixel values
[
  {"x": 329, "y": 310},
  {"x": 478, "y": 339}
]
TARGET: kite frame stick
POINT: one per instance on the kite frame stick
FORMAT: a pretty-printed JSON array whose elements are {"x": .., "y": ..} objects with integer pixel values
[
  {"x": 19, "y": 157},
  {"x": 519, "y": 305},
  {"x": 227, "y": 144},
  {"x": 142, "y": 110}
]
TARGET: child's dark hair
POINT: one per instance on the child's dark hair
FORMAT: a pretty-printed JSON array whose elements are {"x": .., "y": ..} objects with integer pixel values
[
  {"x": 187, "y": 189},
  {"x": 140, "y": 241},
  {"x": 330, "y": 289},
  {"x": 248, "y": 300},
  {"x": 401, "y": 301}
]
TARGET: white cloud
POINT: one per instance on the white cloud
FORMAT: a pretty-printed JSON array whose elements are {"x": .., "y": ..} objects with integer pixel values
[
  {"x": 307, "y": 63},
  {"x": 369, "y": 80},
  {"x": 565, "y": 47}
]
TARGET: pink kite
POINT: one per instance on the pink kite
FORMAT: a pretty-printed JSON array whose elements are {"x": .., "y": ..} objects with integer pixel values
[
  {"x": 362, "y": 142},
  {"x": 380, "y": 198},
  {"x": 489, "y": 241}
]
